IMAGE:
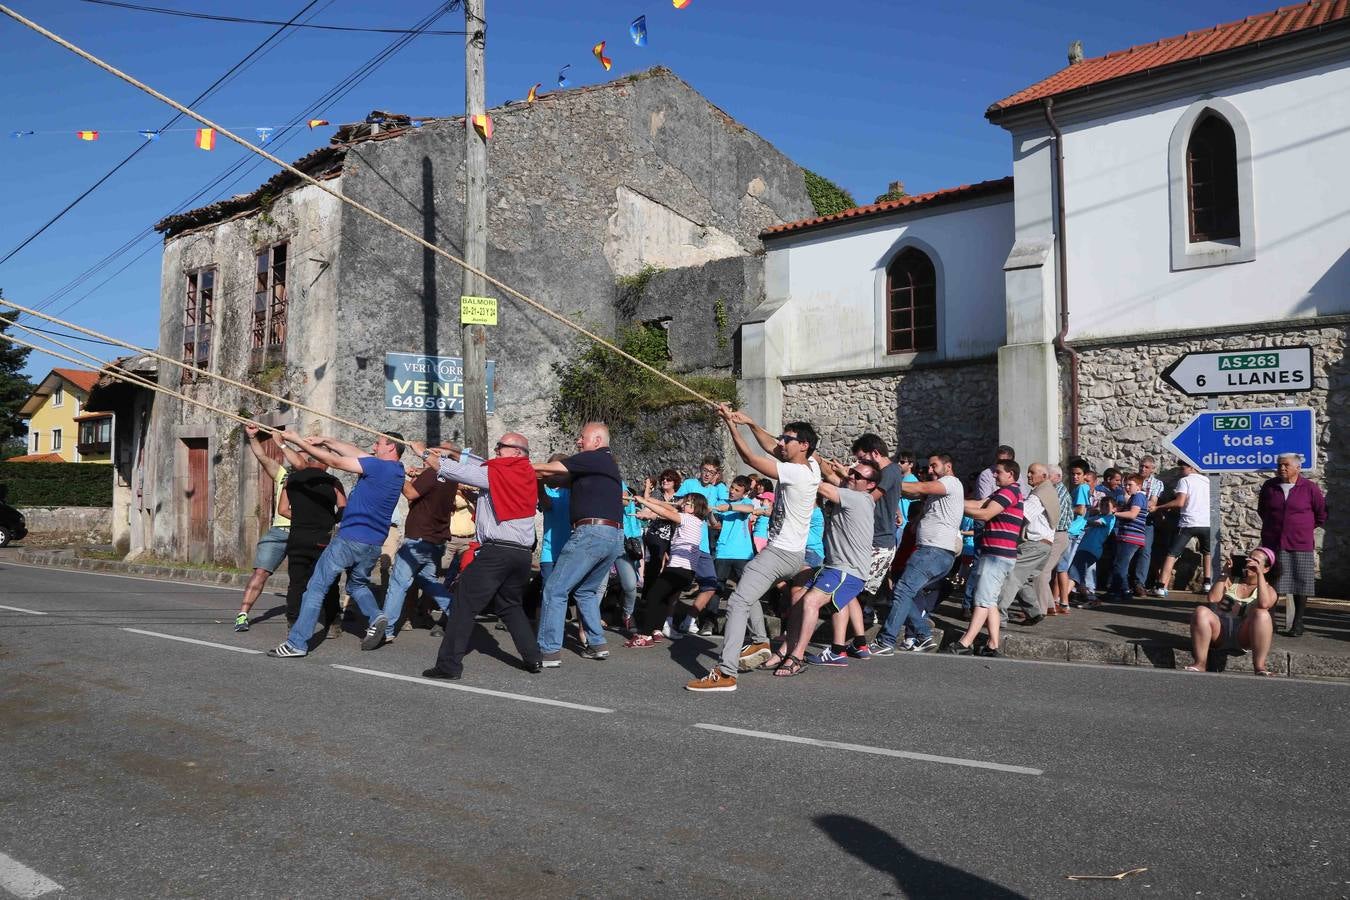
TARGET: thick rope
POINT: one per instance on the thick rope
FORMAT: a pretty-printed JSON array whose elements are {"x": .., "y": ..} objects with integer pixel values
[
  {"x": 182, "y": 365},
  {"x": 309, "y": 179}
]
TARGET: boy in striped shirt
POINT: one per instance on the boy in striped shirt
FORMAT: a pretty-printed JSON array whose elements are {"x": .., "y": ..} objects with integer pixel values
[{"x": 1002, "y": 518}]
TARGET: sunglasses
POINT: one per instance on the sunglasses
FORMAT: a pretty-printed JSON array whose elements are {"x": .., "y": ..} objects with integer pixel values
[
  {"x": 854, "y": 473},
  {"x": 787, "y": 438},
  {"x": 500, "y": 445}
]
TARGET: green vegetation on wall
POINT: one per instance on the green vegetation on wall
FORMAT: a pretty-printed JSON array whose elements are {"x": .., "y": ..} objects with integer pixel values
[{"x": 827, "y": 197}]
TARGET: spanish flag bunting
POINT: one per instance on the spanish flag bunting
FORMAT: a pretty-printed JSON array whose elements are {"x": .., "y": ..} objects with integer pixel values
[
  {"x": 533, "y": 94},
  {"x": 482, "y": 123},
  {"x": 87, "y": 135},
  {"x": 680, "y": 4},
  {"x": 599, "y": 51},
  {"x": 315, "y": 123},
  {"x": 206, "y": 138}
]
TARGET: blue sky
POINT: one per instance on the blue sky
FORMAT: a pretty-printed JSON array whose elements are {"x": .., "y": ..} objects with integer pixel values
[{"x": 862, "y": 91}]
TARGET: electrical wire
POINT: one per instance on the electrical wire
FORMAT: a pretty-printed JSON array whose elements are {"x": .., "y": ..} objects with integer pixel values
[
  {"x": 239, "y": 20},
  {"x": 134, "y": 153}
]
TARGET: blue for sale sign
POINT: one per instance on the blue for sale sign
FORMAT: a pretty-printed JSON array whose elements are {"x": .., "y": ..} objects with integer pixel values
[
  {"x": 1246, "y": 440},
  {"x": 414, "y": 381}
]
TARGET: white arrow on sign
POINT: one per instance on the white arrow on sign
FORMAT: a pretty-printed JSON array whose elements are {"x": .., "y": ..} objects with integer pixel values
[{"x": 1260, "y": 370}]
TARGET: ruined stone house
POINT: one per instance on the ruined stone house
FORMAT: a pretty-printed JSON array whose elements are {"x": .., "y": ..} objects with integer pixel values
[{"x": 291, "y": 290}]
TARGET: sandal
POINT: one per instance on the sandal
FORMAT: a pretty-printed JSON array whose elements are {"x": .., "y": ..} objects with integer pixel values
[
  {"x": 771, "y": 664},
  {"x": 1264, "y": 673},
  {"x": 788, "y": 667},
  {"x": 1193, "y": 669}
]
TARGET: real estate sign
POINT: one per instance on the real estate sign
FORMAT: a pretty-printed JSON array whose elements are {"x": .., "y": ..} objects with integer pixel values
[{"x": 414, "y": 381}]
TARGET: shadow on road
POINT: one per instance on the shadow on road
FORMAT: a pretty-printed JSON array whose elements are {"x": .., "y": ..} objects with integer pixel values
[{"x": 915, "y": 875}]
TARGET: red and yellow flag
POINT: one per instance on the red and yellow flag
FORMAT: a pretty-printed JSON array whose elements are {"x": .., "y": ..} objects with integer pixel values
[
  {"x": 482, "y": 123},
  {"x": 87, "y": 135},
  {"x": 680, "y": 4},
  {"x": 599, "y": 51},
  {"x": 315, "y": 123},
  {"x": 206, "y": 138},
  {"x": 534, "y": 93}
]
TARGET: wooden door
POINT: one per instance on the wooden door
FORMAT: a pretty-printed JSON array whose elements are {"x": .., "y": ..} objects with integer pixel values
[{"x": 197, "y": 492}]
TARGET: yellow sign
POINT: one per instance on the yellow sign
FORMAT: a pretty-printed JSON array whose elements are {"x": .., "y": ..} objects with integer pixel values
[{"x": 477, "y": 310}]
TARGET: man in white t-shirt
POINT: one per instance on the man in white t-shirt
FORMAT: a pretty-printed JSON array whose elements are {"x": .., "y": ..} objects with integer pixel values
[
  {"x": 938, "y": 545},
  {"x": 797, "y": 476},
  {"x": 1192, "y": 498}
]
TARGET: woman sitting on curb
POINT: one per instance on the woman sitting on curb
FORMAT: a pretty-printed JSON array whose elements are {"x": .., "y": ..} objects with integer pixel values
[{"x": 1237, "y": 616}]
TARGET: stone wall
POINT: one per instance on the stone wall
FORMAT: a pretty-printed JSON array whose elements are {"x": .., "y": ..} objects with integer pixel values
[
  {"x": 953, "y": 408},
  {"x": 673, "y": 438},
  {"x": 1126, "y": 412},
  {"x": 704, "y": 305},
  {"x": 77, "y": 525}
]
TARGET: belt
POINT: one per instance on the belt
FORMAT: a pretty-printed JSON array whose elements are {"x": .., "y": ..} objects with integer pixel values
[
  {"x": 509, "y": 545},
  {"x": 610, "y": 522}
]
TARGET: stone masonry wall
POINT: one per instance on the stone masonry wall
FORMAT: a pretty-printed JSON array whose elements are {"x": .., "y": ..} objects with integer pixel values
[
  {"x": 952, "y": 408},
  {"x": 1127, "y": 410}
]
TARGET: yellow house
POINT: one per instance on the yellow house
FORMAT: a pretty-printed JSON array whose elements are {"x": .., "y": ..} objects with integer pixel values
[{"x": 59, "y": 429}]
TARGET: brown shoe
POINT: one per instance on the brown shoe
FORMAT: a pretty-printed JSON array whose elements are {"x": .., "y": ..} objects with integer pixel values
[
  {"x": 713, "y": 681},
  {"x": 754, "y": 654}
]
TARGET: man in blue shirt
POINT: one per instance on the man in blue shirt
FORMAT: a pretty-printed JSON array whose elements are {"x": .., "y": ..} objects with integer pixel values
[{"x": 356, "y": 547}]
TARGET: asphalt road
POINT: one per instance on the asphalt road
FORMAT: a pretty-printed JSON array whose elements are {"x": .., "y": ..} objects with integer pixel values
[{"x": 134, "y": 765}]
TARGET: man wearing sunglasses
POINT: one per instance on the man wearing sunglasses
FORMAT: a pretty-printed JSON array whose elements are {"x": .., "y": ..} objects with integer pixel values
[
  {"x": 505, "y": 533},
  {"x": 798, "y": 476}
]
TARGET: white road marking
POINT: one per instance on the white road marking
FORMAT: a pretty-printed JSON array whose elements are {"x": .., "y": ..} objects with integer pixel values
[
  {"x": 875, "y": 751},
  {"x": 23, "y": 882},
  {"x": 20, "y": 609},
  {"x": 188, "y": 640},
  {"x": 473, "y": 690}
]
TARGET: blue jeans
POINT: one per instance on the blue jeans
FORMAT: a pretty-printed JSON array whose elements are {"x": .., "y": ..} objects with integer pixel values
[
  {"x": 579, "y": 570},
  {"x": 627, "y": 571},
  {"x": 925, "y": 566},
  {"x": 1143, "y": 558},
  {"x": 341, "y": 555},
  {"x": 1119, "y": 585},
  {"x": 416, "y": 561}
]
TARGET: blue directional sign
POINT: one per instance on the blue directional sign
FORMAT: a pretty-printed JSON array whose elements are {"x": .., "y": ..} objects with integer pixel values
[{"x": 1246, "y": 440}]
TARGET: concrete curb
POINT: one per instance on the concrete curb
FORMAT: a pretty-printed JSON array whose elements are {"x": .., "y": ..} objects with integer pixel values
[{"x": 1153, "y": 653}]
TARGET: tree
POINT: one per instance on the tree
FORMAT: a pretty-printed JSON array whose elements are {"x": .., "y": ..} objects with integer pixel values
[
  {"x": 896, "y": 191},
  {"x": 14, "y": 387}
]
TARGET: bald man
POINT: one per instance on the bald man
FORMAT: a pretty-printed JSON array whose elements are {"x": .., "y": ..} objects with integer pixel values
[
  {"x": 501, "y": 567},
  {"x": 1041, "y": 519},
  {"x": 597, "y": 540}
]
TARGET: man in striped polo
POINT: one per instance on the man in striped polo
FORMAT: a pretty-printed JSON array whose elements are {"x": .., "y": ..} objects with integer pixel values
[{"x": 1002, "y": 517}]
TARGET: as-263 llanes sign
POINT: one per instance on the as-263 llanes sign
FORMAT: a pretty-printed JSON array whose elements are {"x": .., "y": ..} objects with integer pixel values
[{"x": 1265, "y": 370}]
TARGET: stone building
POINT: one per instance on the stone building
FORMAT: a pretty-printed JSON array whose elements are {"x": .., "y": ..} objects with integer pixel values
[
  {"x": 296, "y": 293},
  {"x": 1186, "y": 194}
]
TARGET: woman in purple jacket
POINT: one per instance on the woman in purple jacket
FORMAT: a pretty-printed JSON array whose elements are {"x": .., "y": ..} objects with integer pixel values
[{"x": 1290, "y": 507}]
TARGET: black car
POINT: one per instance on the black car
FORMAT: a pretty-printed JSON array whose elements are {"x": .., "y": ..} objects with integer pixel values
[{"x": 12, "y": 525}]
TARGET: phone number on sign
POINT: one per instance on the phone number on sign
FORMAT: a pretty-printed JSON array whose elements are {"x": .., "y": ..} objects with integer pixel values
[{"x": 450, "y": 404}]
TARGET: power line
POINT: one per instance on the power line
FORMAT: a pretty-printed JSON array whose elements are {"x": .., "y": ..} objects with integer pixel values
[
  {"x": 243, "y": 21},
  {"x": 249, "y": 163},
  {"x": 132, "y": 155}
]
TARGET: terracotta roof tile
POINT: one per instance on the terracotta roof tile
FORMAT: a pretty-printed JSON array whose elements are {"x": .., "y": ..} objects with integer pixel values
[
  {"x": 1183, "y": 48},
  {"x": 933, "y": 198},
  {"x": 84, "y": 379},
  {"x": 37, "y": 458}
]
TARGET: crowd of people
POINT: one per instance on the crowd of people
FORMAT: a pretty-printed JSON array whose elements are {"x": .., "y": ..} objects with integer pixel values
[{"x": 800, "y": 537}]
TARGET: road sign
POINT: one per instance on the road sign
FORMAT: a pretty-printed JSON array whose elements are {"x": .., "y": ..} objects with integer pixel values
[
  {"x": 1262, "y": 370},
  {"x": 1245, "y": 440}
]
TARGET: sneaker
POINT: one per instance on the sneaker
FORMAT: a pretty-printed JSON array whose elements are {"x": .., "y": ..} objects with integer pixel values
[
  {"x": 706, "y": 628},
  {"x": 629, "y": 624},
  {"x": 241, "y": 622},
  {"x": 1160, "y": 592},
  {"x": 639, "y": 641},
  {"x": 877, "y": 648},
  {"x": 552, "y": 660},
  {"x": 668, "y": 629},
  {"x": 374, "y": 633},
  {"x": 858, "y": 651},
  {"x": 713, "y": 681},
  {"x": 956, "y": 648},
  {"x": 1206, "y": 587},
  {"x": 906, "y": 645},
  {"x": 595, "y": 653},
  {"x": 754, "y": 654},
  {"x": 927, "y": 645},
  {"x": 284, "y": 650},
  {"x": 438, "y": 629},
  {"x": 827, "y": 657},
  {"x": 689, "y": 625},
  {"x": 989, "y": 652}
]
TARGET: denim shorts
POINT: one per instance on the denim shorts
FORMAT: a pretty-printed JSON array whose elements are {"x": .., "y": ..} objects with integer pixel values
[
  {"x": 705, "y": 572},
  {"x": 271, "y": 549},
  {"x": 841, "y": 586},
  {"x": 990, "y": 573},
  {"x": 814, "y": 559}
]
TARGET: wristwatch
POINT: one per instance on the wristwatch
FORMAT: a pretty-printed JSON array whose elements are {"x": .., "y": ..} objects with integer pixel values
[{"x": 426, "y": 454}]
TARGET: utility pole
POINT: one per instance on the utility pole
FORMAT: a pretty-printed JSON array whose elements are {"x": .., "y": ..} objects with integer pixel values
[{"x": 474, "y": 337}]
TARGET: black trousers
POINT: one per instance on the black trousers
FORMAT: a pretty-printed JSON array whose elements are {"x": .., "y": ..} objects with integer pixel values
[
  {"x": 302, "y": 553},
  {"x": 657, "y": 597},
  {"x": 499, "y": 572}
]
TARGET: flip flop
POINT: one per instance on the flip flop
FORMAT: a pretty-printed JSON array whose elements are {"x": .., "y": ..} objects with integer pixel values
[{"x": 1192, "y": 669}]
